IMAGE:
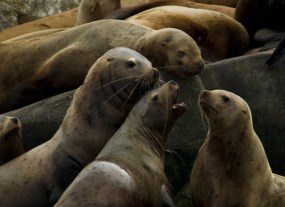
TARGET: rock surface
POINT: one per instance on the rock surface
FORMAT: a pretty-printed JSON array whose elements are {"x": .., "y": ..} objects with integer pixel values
[{"x": 14, "y": 12}]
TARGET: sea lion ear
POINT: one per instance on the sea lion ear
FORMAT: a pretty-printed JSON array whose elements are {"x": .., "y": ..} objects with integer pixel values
[
  {"x": 110, "y": 59},
  {"x": 154, "y": 97},
  {"x": 164, "y": 43}
]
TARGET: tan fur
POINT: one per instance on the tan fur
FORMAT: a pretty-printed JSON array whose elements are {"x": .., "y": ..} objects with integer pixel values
[
  {"x": 217, "y": 35},
  {"x": 100, "y": 105},
  {"x": 10, "y": 138},
  {"x": 62, "y": 20},
  {"x": 131, "y": 165},
  {"x": 231, "y": 168},
  {"x": 52, "y": 61}
]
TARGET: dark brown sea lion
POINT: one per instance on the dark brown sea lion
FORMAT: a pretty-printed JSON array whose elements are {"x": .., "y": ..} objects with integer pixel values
[
  {"x": 231, "y": 3},
  {"x": 257, "y": 14},
  {"x": 10, "y": 138},
  {"x": 126, "y": 12},
  {"x": 100, "y": 105},
  {"x": 217, "y": 35},
  {"x": 231, "y": 168},
  {"x": 131, "y": 165},
  {"x": 32, "y": 70}
]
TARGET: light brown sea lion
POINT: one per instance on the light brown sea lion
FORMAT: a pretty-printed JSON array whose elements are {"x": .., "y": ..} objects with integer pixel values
[
  {"x": 64, "y": 19},
  {"x": 131, "y": 165},
  {"x": 10, "y": 138},
  {"x": 100, "y": 105},
  {"x": 92, "y": 10},
  {"x": 41, "y": 64},
  {"x": 231, "y": 168},
  {"x": 217, "y": 35},
  {"x": 126, "y": 12}
]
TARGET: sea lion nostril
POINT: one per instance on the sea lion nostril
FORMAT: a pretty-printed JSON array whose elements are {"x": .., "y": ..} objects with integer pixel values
[
  {"x": 155, "y": 73},
  {"x": 172, "y": 82},
  {"x": 15, "y": 120}
]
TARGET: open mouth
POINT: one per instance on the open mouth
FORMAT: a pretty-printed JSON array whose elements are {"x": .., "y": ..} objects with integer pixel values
[
  {"x": 207, "y": 105},
  {"x": 178, "y": 108}
]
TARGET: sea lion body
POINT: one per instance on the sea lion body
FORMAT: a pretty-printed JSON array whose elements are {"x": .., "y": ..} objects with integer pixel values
[
  {"x": 217, "y": 35},
  {"x": 33, "y": 70},
  {"x": 131, "y": 165},
  {"x": 230, "y": 3},
  {"x": 231, "y": 168},
  {"x": 10, "y": 138},
  {"x": 61, "y": 20},
  {"x": 258, "y": 14},
  {"x": 112, "y": 86},
  {"x": 126, "y": 12}
]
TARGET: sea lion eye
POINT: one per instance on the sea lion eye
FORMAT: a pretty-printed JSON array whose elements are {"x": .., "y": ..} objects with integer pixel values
[
  {"x": 180, "y": 53},
  {"x": 131, "y": 63},
  {"x": 225, "y": 99}
]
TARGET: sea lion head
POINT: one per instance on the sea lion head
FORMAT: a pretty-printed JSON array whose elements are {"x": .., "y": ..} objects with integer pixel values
[
  {"x": 225, "y": 110},
  {"x": 116, "y": 81},
  {"x": 92, "y": 10},
  {"x": 175, "y": 52},
  {"x": 159, "y": 108},
  {"x": 10, "y": 138}
]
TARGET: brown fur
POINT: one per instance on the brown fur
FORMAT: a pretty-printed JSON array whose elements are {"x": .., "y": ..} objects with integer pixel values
[
  {"x": 131, "y": 165},
  {"x": 53, "y": 61},
  {"x": 126, "y": 12},
  {"x": 10, "y": 139},
  {"x": 231, "y": 168},
  {"x": 62, "y": 20},
  {"x": 217, "y": 35},
  {"x": 230, "y": 3},
  {"x": 100, "y": 105}
]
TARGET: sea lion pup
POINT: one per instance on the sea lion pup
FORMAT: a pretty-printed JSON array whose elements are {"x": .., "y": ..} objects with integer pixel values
[
  {"x": 33, "y": 70},
  {"x": 131, "y": 165},
  {"x": 203, "y": 26},
  {"x": 100, "y": 105},
  {"x": 231, "y": 168},
  {"x": 10, "y": 138},
  {"x": 126, "y": 12}
]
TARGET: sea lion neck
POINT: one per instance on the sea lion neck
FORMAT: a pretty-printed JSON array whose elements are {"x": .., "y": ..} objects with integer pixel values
[{"x": 148, "y": 134}]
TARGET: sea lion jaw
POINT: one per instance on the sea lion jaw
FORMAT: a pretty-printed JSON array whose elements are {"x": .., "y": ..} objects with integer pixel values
[{"x": 163, "y": 103}]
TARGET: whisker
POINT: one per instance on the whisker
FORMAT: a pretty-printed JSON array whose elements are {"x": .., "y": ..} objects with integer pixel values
[
  {"x": 131, "y": 93},
  {"x": 164, "y": 128},
  {"x": 119, "y": 91},
  {"x": 126, "y": 78}
]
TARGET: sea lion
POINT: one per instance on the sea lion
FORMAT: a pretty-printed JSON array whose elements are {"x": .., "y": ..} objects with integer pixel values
[
  {"x": 126, "y": 12},
  {"x": 231, "y": 3},
  {"x": 92, "y": 10},
  {"x": 231, "y": 168},
  {"x": 61, "y": 20},
  {"x": 258, "y": 14},
  {"x": 10, "y": 138},
  {"x": 131, "y": 165},
  {"x": 33, "y": 70},
  {"x": 203, "y": 26},
  {"x": 100, "y": 105}
]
